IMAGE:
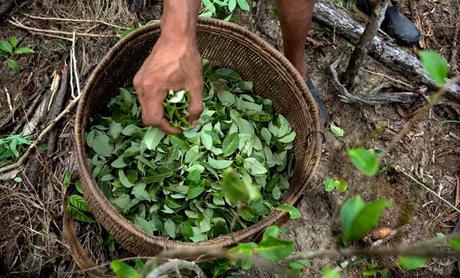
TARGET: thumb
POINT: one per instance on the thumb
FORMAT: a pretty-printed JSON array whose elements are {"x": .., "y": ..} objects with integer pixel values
[{"x": 196, "y": 102}]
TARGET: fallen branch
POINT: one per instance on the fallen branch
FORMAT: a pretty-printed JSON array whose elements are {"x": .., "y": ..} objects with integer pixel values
[
  {"x": 380, "y": 98},
  {"x": 384, "y": 52},
  {"x": 359, "y": 54},
  {"x": 58, "y": 105}
]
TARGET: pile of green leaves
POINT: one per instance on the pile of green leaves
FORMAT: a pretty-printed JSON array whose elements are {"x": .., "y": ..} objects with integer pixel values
[{"x": 225, "y": 174}]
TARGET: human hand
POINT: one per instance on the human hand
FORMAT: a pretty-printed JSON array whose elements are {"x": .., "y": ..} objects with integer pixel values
[{"x": 173, "y": 64}]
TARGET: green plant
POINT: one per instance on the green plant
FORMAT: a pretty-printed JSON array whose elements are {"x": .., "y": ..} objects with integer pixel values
[
  {"x": 11, "y": 147},
  {"x": 77, "y": 206},
  {"x": 226, "y": 173},
  {"x": 334, "y": 184},
  {"x": 10, "y": 49},
  {"x": 223, "y": 9}
]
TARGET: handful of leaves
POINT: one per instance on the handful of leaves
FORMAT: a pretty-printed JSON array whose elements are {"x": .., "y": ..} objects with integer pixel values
[{"x": 225, "y": 174}]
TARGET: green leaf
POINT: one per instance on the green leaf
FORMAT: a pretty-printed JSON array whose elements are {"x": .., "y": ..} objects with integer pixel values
[
  {"x": 79, "y": 202},
  {"x": 130, "y": 130},
  {"x": 6, "y": 47},
  {"x": 195, "y": 190},
  {"x": 254, "y": 166},
  {"x": 124, "y": 179},
  {"x": 341, "y": 185},
  {"x": 153, "y": 137},
  {"x": 14, "y": 41},
  {"x": 272, "y": 231},
  {"x": 337, "y": 131},
  {"x": 226, "y": 98},
  {"x": 140, "y": 193},
  {"x": 359, "y": 218},
  {"x": 79, "y": 215},
  {"x": 230, "y": 144},
  {"x": 294, "y": 213},
  {"x": 24, "y": 50},
  {"x": 67, "y": 179},
  {"x": 243, "y": 253},
  {"x": 349, "y": 210},
  {"x": 244, "y": 5},
  {"x": 192, "y": 154},
  {"x": 273, "y": 248},
  {"x": 435, "y": 65},
  {"x": 176, "y": 96},
  {"x": 18, "y": 179},
  {"x": 123, "y": 270},
  {"x": 119, "y": 163},
  {"x": 367, "y": 162},
  {"x": 288, "y": 138},
  {"x": 13, "y": 65},
  {"x": 231, "y": 5},
  {"x": 228, "y": 74},
  {"x": 122, "y": 202},
  {"x": 328, "y": 272},
  {"x": 219, "y": 164},
  {"x": 331, "y": 184},
  {"x": 170, "y": 228},
  {"x": 410, "y": 263},
  {"x": 144, "y": 225},
  {"x": 299, "y": 264},
  {"x": 234, "y": 188},
  {"x": 101, "y": 144},
  {"x": 266, "y": 135},
  {"x": 454, "y": 243},
  {"x": 206, "y": 140},
  {"x": 115, "y": 129}
]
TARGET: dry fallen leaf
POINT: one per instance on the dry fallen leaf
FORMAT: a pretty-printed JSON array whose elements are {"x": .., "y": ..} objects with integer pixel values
[{"x": 380, "y": 233}]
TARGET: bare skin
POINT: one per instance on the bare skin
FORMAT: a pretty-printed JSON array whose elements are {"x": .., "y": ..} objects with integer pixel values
[{"x": 175, "y": 62}]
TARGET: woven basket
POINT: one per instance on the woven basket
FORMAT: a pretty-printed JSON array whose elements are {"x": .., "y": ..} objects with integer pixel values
[{"x": 225, "y": 45}]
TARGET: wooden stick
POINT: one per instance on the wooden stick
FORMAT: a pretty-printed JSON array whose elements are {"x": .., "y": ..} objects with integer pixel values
[
  {"x": 361, "y": 49},
  {"x": 75, "y": 20},
  {"x": 16, "y": 23}
]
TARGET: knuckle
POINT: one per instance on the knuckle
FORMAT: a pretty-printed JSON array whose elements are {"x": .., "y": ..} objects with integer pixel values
[{"x": 150, "y": 119}]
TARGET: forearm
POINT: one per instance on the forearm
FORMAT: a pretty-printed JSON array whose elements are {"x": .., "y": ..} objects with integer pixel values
[{"x": 179, "y": 18}]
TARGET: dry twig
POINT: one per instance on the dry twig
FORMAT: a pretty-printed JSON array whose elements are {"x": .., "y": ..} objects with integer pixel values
[
  {"x": 401, "y": 170},
  {"x": 75, "y": 20},
  {"x": 16, "y": 23}
]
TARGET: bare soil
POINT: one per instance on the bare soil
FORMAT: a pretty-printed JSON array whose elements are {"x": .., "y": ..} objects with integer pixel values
[{"x": 31, "y": 238}]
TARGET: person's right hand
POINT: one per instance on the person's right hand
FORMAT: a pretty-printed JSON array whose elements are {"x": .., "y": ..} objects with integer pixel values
[{"x": 174, "y": 64}]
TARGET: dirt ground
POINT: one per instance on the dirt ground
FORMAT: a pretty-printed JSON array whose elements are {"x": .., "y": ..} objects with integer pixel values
[{"x": 31, "y": 225}]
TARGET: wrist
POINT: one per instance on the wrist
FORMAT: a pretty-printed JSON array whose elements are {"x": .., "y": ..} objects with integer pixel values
[{"x": 178, "y": 22}]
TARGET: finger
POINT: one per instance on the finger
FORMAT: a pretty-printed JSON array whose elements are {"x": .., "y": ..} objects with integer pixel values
[
  {"x": 165, "y": 125},
  {"x": 151, "y": 106},
  {"x": 196, "y": 101}
]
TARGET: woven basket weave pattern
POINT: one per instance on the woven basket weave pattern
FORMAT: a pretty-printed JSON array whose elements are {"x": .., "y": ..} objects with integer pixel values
[{"x": 224, "y": 45}]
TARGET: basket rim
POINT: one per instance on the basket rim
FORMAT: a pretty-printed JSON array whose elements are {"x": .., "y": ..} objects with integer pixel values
[{"x": 90, "y": 186}]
